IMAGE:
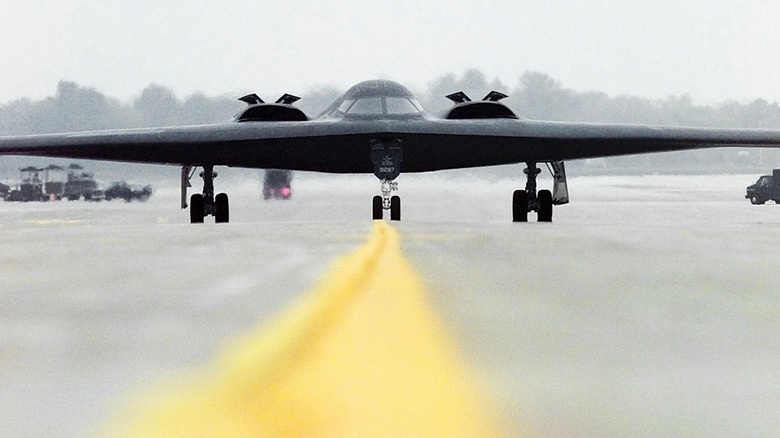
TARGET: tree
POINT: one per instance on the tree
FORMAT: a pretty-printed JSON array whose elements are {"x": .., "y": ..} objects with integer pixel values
[{"x": 157, "y": 106}]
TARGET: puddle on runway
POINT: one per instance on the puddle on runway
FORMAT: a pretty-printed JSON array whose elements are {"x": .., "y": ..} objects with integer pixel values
[{"x": 363, "y": 354}]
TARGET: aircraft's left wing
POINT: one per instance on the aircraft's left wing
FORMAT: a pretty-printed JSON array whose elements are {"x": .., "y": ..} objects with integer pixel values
[{"x": 340, "y": 146}]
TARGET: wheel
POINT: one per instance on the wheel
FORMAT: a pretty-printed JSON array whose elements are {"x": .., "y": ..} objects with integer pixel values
[
  {"x": 196, "y": 208},
  {"x": 377, "y": 208},
  {"x": 395, "y": 208},
  {"x": 222, "y": 213},
  {"x": 545, "y": 206},
  {"x": 520, "y": 206},
  {"x": 756, "y": 200}
]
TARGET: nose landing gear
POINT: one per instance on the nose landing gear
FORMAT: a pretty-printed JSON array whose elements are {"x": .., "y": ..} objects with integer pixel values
[
  {"x": 386, "y": 156},
  {"x": 387, "y": 202}
]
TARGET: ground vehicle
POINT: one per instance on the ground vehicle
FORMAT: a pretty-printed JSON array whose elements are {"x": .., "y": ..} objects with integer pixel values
[
  {"x": 31, "y": 187},
  {"x": 767, "y": 188},
  {"x": 277, "y": 184},
  {"x": 4, "y": 191},
  {"x": 123, "y": 190},
  {"x": 81, "y": 185},
  {"x": 53, "y": 189}
]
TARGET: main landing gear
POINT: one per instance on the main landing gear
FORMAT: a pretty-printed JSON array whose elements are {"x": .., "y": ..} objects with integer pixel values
[
  {"x": 205, "y": 204},
  {"x": 525, "y": 201}
]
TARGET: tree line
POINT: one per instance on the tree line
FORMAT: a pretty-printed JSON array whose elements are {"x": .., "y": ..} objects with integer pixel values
[{"x": 535, "y": 96}]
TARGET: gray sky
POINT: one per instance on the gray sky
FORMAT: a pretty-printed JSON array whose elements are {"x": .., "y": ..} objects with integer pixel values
[{"x": 713, "y": 50}]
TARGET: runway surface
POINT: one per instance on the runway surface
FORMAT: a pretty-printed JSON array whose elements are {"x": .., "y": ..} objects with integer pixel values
[{"x": 649, "y": 307}]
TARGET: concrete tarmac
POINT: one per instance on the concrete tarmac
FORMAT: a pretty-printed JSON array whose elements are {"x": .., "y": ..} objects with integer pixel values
[{"x": 648, "y": 308}]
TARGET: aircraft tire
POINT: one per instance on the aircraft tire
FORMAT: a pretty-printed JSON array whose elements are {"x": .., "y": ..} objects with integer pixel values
[
  {"x": 377, "y": 208},
  {"x": 520, "y": 206},
  {"x": 545, "y": 212},
  {"x": 196, "y": 208},
  {"x": 222, "y": 213},
  {"x": 395, "y": 208}
]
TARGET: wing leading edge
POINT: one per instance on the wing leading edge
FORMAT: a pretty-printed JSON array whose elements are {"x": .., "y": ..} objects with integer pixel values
[{"x": 344, "y": 146}]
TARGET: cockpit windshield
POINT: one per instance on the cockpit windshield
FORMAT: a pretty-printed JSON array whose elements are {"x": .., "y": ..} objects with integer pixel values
[
  {"x": 378, "y": 105},
  {"x": 375, "y": 99}
]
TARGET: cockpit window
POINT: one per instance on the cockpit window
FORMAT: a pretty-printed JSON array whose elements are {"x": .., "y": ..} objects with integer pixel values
[
  {"x": 368, "y": 105},
  {"x": 380, "y": 105},
  {"x": 400, "y": 105},
  {"x": 344, "y": 107}
]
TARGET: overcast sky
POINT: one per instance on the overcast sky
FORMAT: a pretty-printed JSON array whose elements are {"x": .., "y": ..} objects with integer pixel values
[{"x": 713, "y": 50}]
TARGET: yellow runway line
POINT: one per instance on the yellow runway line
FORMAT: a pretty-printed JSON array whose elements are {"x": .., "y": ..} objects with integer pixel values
[
  {"x": 53, "y": 221},
  {"x": 362, "y": 355}
]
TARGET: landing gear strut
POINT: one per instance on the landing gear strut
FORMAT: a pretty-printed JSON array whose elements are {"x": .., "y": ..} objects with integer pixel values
[
  {"x": 205, "y": 204},
  {"x": 524, "y": 201},
  {"x": 386, "y": 156}
]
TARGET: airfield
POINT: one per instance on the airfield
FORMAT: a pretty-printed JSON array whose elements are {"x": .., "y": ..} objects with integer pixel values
[{"x": 649, "y": 307}]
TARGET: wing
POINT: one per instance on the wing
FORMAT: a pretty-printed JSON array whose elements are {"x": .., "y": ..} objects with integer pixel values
[{"x": 343, "y": 146}]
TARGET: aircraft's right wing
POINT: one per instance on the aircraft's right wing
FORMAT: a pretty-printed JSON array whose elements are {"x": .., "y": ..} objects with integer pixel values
[{"x": 286, "y": 145}]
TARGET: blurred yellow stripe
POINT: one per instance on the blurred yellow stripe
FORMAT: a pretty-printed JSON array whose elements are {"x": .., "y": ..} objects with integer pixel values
[
  {"x": 53, "y": 221},
  {"x": 362, "y": 355}
]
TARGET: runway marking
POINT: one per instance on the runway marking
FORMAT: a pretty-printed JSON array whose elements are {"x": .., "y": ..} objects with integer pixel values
[
  {"x": 53, "y": 221},
  {"x": 363, "y": 354}
]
